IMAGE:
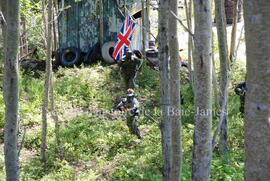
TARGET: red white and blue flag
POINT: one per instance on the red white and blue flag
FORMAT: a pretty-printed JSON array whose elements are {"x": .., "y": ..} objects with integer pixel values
[{"x": 124, "y": 38}]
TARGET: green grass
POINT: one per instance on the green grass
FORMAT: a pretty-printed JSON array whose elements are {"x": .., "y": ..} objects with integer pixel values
[{"x": 95, "y": 141}]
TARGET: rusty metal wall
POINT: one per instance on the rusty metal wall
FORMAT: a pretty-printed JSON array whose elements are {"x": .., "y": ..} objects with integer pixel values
[{"x": 79, "y": 24}]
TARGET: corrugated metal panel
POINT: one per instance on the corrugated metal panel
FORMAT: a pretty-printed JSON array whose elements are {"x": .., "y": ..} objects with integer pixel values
[{"x": 89, "y": 24}]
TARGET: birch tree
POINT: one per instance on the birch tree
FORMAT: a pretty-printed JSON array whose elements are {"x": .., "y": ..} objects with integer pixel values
[
  {"x": 202, "y": 150},
  {"x": 188, "y": 8},
  {"x": 165, "y": 89},
  {"x": 11, "y": 88},
  {"x": 48, "y": 79},
  {"x": 144, "y": 29},
  {"x": 257, "y": 107},
  {"x": 52, "y": 101},
  {"x": 55, "y": 23},
  {"x": 223, "y": 57},
  {"x": 234, "y": 29},
  {"x": 3, "y": 9},
  {"x": 175, "y": 91}
]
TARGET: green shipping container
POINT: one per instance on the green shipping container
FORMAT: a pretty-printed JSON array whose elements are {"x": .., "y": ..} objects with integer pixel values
[{"x": 79, "y": 22}]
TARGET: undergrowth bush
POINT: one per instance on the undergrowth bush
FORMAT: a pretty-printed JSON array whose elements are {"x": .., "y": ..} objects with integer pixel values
[{"x": 95, "y": 141}]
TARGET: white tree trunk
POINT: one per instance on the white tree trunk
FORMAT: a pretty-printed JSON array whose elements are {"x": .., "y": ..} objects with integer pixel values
[
  {"x": 54, "y": 114},
  {"x": 3, "y": 19},
  {"x": 234, "y": 29},
  {"x": 165, "y": 89},
  {"x": 202, "y": 151},
  {"x": 47, "y": 84},
  {"x": 214, "y": 77},
  {"x": 257, "y": 107},
  {"x": 175, "y": 92},
  {"x": 52, "y": 99},
  {"x": 145, "y": 24},
  {"x": 188, "y": 7},
  {"x": 223, "y": 57},
  {"x": 43, "y": 7},
  {"x": 11, "y": 90},
  {"x": 55, "y": 23}
]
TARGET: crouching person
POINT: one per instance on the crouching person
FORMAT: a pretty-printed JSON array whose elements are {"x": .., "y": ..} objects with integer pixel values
[{"x": 131, "y": 105}]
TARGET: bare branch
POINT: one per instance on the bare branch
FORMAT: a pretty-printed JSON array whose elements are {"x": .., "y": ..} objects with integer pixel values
[
  {"x": 150, "y": 117},
  {"x": 181, "y": 22},
  {"x": 3, "y": 18}
]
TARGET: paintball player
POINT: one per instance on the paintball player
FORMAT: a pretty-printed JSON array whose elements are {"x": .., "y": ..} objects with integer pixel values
[
  {"x": 129, "y": 67},
  {"x": 241, "y": 90},
  {"x": 131, "y": 105}
]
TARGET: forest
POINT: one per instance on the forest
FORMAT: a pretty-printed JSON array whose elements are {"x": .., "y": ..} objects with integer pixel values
[{"x": 134, "y": 90}]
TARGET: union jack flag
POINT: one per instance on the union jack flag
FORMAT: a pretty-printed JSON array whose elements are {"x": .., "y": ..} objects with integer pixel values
[{"x": 124, "y": 38}]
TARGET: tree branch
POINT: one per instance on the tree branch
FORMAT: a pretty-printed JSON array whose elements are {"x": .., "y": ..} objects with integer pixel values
[
  {"x": 181, "y": 22},
  {"x": 150, "y": 117},
  {"x": 3, "y": 18}
]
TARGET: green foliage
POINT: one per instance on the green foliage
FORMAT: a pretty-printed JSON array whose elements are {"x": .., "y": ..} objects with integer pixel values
[
  {"x": 227, "y": 168},
  {"x": 31, "y": 14},
  {"x": 95, "y": 141},
  {"x": 31, "y": 96},
  {"x": 188, "y": 106},
  {"x": 86, "y": 87},
  {"x": 148, "y": 78}
]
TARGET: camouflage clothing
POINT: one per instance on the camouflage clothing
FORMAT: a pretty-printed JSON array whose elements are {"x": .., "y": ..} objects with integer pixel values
[
  {"x": 241, "y": 90},
  {"x": 129, "y": 67},
  {"x": 131, "y": 105}
]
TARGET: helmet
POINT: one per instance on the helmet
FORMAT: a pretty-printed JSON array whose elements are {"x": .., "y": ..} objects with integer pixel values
[{"x": 130, "y": 93}]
